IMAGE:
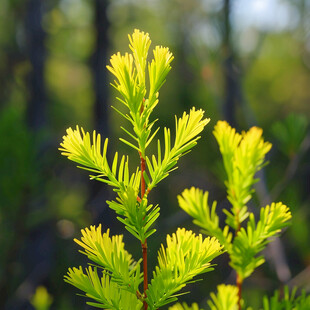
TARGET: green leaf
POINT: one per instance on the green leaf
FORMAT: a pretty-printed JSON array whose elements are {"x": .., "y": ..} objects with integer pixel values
[
  {"x": 139, "y": 44},
  {"x": 78, "y": 147},
  {"x": 185, "y": 257},
  {"x": 249, "y": 242},
  {"x": 158, "y": 70},
  {"x": 188, "y": 127},
  {"x": 105, "y": 293},
  {"x": 288, "y": 301},
  {"x": 137, "y": 217},
  {"x": 109, "y": 253},
  {"x": 243, "y": 155},
  {"x": 225, "y": 299},
  {"x": 290, "y": 133},
  {"x": 184, "y": 306},
  {"x": 195, "y": 203}
]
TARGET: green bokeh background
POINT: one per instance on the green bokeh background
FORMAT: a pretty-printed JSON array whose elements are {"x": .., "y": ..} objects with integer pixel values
[{"x": 45, "y": 200}]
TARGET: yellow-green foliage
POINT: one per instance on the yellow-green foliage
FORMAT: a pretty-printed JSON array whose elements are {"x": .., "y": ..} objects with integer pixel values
[
  {"x": 288, "y": 302},
  {"x": 188, "y": 127},
  {"x": 41, "y": 300},
  {"x": 106, "y": 293},
  {"x": 225, "y": 299},
  {"x": 243, "y": 155},
  {"x": 195, "y": 202},
  {"x": 114, "y": 281},
  {"x": 79, "y": 147},
  {"x": 109, "y": 253},
  {"x": 185, "y": 256},
  {"x": 130, "y": 82},
  {"x": 184, "y": 306},
  {"x": 253, "y": 239}
]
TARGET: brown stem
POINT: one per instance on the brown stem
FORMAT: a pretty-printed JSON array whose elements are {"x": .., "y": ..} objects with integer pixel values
[
  {"x": 144, "y": 245},
  {"x": 238, "y": 278},
  {"x": 239, "y": 286},
  {"x": 145, "y": 281},
  {"x": 142, "y": 176}
]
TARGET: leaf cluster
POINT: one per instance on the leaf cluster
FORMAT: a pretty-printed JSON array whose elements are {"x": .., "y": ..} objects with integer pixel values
[
  {"x": 252, "y": 240},
  {"x": 184, "y": 306},
  {"x": 243, "y": 155},
  {"x": 185, "y": 256},
  {"x": 138, "y": 217},
  {"x": 106, "y": 293},
  {"x": 88, "y": 151},
  {"x": 290, "y": 133},
  {"x": 113, "y": 278},
  {"x": 289, "y": 301},
  {"x": 225, "y": 299}
]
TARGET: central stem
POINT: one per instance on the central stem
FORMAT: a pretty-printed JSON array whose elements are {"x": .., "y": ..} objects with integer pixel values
[
  {"x": 239, "y": 280},
  {"x": 239, "y": 286},
  {"x": 144, "y": 245}
]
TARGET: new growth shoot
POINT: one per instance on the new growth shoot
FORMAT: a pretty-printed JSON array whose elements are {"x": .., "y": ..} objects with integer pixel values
[{"x": 113, "y": 279}]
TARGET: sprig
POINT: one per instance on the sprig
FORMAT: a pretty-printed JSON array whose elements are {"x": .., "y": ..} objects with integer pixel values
[
  {"x": 225, "y": 299},
  {"x": 79, "y": 147},
  {"x": 109, "y": 253},
  {"x": 116, "y": 276},
  {"x": 106, "y": 293},
  {"x": 288, "y": 302},
  {"x": 188, "y": 127},
  {"x": 130, "y": 82},
  {"x": 243, "y": 155},
  {"x": 184, "y": 306},
  {"x": 185, "y": 257},
  {"x": 138, "y": 217},
  {"x": 252, "y": 240},
  {"x": 195, "y": 203}
]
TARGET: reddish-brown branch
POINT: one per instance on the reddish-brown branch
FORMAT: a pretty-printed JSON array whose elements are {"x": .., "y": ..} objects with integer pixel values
[
  {"x": 142, "y": 176},
  {"x": 145, "y": 280},
  {"x": 238, "y": 278},
  {"x": 239, "y": 286},
  {"x": 144, "y": 245}
]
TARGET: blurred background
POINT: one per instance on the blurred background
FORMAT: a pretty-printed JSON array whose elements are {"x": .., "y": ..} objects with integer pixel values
[{"x": 245, "y": 61}]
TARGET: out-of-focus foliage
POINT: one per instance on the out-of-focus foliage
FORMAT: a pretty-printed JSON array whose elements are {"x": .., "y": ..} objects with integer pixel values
[
  {"x": 17, "y": 178},
  {"x": 271, "y": 49},
  {"x": 290, "y": 133},
  {"x": 288, "y": 301},
  {"x": 225, "y": 299},
  {"x": 41, "y": 300},
  {"x": 184, "y": 306}
]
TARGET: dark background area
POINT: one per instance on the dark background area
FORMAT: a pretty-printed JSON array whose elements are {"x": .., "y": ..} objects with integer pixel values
[{"x": 247, "y": 62}]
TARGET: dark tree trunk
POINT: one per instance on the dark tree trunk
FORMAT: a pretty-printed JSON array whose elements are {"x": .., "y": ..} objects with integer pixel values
[
  {"x": 229, "y": 69},
  {"x": 35, "y": 256},
  {"x": 99, "y": 67},
  {"x": 35, "y": 35},
  {"x": 99, "y": 192}
]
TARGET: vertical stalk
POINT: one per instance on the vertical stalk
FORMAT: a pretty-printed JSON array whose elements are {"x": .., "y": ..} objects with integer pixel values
[
  {"x": 144, "y": 245},
  {"x": 239, "y": 286},
  {"x": 238, "y": 278}
]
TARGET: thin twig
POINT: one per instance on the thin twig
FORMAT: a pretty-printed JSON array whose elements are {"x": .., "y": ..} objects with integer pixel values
[
  {"x": 143, "y": 245},
  {"x": 239, "y": 286}
]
